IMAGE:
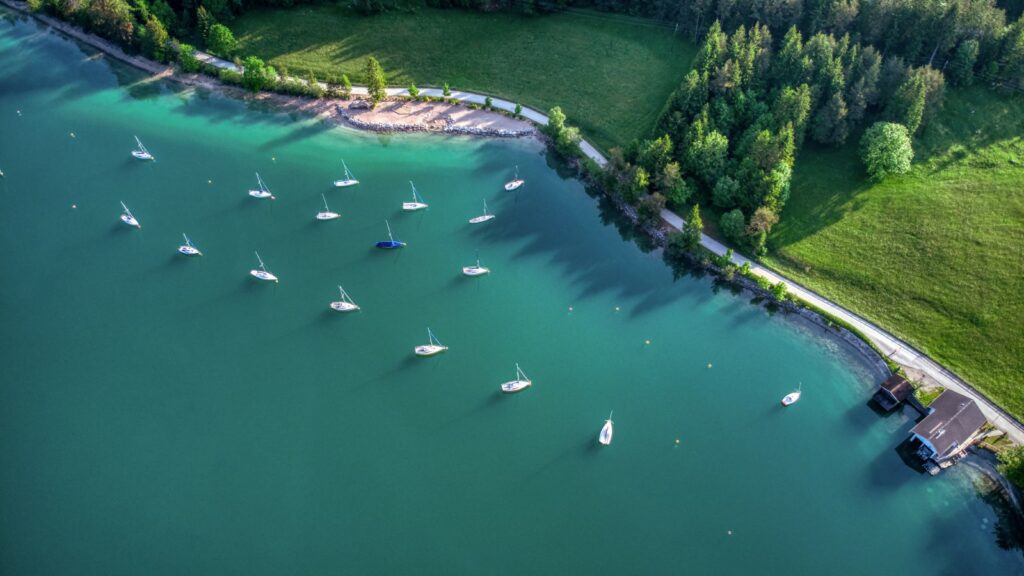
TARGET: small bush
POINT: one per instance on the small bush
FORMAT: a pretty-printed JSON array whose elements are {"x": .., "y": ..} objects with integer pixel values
[
  {"x": 230, "y": 77},
  {"x": 187, "y": 58}
]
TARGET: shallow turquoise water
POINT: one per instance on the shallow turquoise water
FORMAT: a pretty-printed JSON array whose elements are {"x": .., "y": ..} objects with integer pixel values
[{"x": 161, "y": 415}]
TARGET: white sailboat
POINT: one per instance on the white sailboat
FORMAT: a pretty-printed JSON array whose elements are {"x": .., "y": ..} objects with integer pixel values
[
  {"x": 345, "y": 304},
  {"x": 482, "y": 218},
  {"x": 141, "y": 153},
  {"x": 515, "y": 183},
  {"x": 188, "y": 249},
  {"x": 792, "y": 397},
  {"x": 477, "y": 269},
  {"x": 434, "y": 347},
  {"x": 262, "y": 273},
  {"x": 605, "y": 437},
  {"x": 348, "y": 180},
  {"x": 417, "y": 201},
  {"x": 263, "y": 191},
  {"x": 521, "y": 382},
  {"x": 326, "y": 213},
  {"x": 128, "y": 218}
]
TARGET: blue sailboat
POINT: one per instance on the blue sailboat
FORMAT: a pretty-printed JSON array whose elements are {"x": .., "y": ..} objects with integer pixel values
[{"x": 390, "y": 243}]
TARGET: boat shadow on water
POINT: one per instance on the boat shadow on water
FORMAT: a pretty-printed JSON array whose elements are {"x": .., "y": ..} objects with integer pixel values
[{"x": 487, "y": 402}]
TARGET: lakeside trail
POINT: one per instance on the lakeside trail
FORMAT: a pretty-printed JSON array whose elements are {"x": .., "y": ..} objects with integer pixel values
[
  {"x": 428, "y": 117},
  {"x": 917, "y": 364}
]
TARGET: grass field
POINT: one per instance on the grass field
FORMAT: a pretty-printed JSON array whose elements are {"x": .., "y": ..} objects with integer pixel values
[
  {"x": 935, "y": 256},
  {"x": 612, "y": 75}
]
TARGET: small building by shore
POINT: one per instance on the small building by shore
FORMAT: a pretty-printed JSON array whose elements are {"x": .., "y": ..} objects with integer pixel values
[
  {"x": 893, "y": 392},
  {"x": 942, "y": 437}
]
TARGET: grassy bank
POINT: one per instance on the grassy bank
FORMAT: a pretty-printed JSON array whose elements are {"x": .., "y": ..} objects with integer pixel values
[
  {"x": 935, "y": 256},
  {"x": 611, "y": 74}
]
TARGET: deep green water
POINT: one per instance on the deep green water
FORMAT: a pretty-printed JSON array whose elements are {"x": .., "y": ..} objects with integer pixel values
[{"x": 164, "y": 415}]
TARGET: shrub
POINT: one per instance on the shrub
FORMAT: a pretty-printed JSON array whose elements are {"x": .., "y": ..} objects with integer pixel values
[
  {"x": 779, "y": 291},
  {"x": 650, "y": 208},
  {"x": 230, "y": 77},
  {"x": 414, "y": 92},
  {"x": 1011, "y": 465},
  {"x": 446, "y": 91},
  {"x": 346, "y": 87},
  {"x": 732, "y": 224},
  {"x": 488, "y": 103},
  {"x": 313, "y": 87},
  {"x": 518, "y": 111},
  {"x": 257, "y": 75},
  {"x": 886, "y": 149},
  {"x": 187, "y": 58}
]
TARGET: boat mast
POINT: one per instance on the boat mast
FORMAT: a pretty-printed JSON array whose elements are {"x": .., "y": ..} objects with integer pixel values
[
  {"x": 326, "y": 207},
  {"x": 262, "y": 267}
]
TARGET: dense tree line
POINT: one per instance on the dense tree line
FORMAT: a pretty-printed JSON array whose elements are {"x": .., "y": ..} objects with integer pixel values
[
  {"x": 965, "y": 38},
  {"x": 732, "y": 129}
]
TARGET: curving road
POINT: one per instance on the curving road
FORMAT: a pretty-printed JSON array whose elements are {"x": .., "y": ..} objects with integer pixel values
[{"x": 917, "y": 364}]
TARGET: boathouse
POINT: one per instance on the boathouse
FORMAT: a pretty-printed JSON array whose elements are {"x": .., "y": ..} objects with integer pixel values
[
  {"x": 950, "y": 427},
  {"x": 892, "y": 392}
]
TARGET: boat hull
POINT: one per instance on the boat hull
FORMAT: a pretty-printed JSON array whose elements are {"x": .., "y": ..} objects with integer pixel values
[
  {"x": 514, "y": 386},
  {"x": 605, "y": 437},
  {"x": 413, "y": 206},
  {"x": 514, "y": 184},
  {"x": 345, "y": 183},
  {"x": 481, "y": 219},
  {"x": 429, "y": 350},
  {"x": 790, "y": 399},
  {"x": 261, "y": 275},
  {"x": 260, "y": 194},
  {"x": 327, "y": 215},
  {"x": 475, "y": 270},
  {"x": 130, "y": 221},
  {"x": 189, "y": 251},
  {"x": 344, "y": 306},
  {"x": 389, "y": 244},
  {"x": 141, "y": 155}
]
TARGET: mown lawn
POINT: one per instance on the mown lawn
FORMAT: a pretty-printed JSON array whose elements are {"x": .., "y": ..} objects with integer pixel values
[
  {"x": 937, "y": 255},
  {"x": 612, "y": 75}
]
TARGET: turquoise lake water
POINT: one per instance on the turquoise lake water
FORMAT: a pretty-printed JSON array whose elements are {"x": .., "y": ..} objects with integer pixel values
[{"x": 166, "y": 415}]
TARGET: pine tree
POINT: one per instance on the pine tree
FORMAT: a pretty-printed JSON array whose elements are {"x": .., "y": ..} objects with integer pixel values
[
  {"x": 693, "y": 228},
  {"x": 830, "y": 126},
  {"x": 376, "y": 83},
  {"x": 907, "y": 105}
]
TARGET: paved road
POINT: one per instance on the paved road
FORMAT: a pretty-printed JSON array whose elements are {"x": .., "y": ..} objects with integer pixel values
[
  {"x": 462, "y": 96},
  {"x": 899, "y": 351}
]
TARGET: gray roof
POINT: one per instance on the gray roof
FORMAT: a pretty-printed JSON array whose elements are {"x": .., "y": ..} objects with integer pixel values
[
  {"x": 898, "y": 387},
  {"x": 954, "y": 418}
]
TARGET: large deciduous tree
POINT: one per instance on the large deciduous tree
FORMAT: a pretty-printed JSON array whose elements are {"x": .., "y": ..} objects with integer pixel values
[{"x": 886, "y": 149}]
